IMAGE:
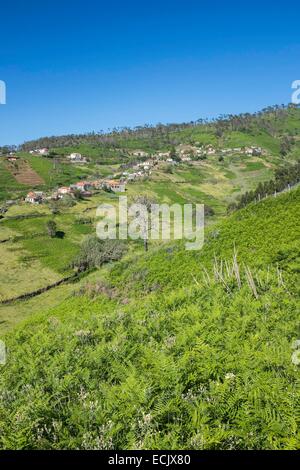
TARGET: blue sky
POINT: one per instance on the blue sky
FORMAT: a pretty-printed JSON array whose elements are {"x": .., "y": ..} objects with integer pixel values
[{"x": 76, "y": 66}]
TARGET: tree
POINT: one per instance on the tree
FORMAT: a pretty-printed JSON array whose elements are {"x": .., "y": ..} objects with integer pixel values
[
  {"x": 173, "y": 153},
  {"x": 286, "y": 145},
  {"x": 54, "y": 207},
  {"x": 168, "y": 169},
  {"x": 95, "y": 252},
  {"x": 146, "y": 202},
  {"x": 51, "y": 228}
]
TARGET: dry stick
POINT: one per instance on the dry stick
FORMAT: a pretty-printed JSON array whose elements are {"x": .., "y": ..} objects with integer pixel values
[
  {"x": 228, "y": 270},
  {"x": 195, "y": 280},
  {"x": 225, "y": 284},
  {"x": 279, "y": 277},
  {"x": 250, "y": 281},
  {"x": 207, "y": 275},
  {"x": 258, "y": 280},
  {"x": 236, "y": 270},
  {"x": 219, "y": 274},
  {"x": 268, "y": 273},
  {"x": 215, "y": 268},
  {"x": 205, "y": 280}
]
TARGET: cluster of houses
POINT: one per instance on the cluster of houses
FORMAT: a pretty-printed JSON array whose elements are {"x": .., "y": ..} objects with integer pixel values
[
  {"x": 86, "y": 188},
  {"x": 43, "y": 152},
  {"x": 184, "y": 153},
  {"x": 252, "y": 151},
  {"x": 187, "y": 152},
  {"x": 143, "y": 169},
  {"x": 134, "y": 171}
]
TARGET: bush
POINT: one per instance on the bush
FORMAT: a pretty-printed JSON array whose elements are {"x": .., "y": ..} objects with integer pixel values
[
  {"x": 169, "y": 169},
  {"x": 67, "y": 201},
  {"x": 95, "y": 252},
  {"x": 51, "y": 228},
  {"x": 208, "y": 211},
  {"x": 83, "y": 220}
]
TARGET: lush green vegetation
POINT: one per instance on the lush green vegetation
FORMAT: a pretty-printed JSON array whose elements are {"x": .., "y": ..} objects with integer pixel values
[
  {"x": 265, "y": 128},
  {"x": 171, "y": 349},
  {"x": 165, "y": 349},
  {"x": 216, "y": 181},
  {"x": 285, "y": 178}
]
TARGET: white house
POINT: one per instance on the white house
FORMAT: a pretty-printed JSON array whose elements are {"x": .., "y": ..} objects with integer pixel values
[
  {"x": 34, "y": 197},
  {"x": 255, "y": 151},
  {"x": 140, "y": 153},
  {"x": 76, "y": 158},
  {"x": 210, "y": 150},
  {"x": 43, "y": 151},
  {"x": 81, "y": 186},
  {"x": 163, "y": 154}
]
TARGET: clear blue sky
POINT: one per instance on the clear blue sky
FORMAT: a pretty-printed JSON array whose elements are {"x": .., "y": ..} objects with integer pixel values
[{"x": 73, "y": 66}]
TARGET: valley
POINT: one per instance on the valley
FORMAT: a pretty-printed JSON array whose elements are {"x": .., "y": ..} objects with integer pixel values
[{"x": 165, "y": 348}]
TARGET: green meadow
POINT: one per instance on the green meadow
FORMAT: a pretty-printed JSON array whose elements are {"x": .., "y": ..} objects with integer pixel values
[{"x": 166, "y": 348}]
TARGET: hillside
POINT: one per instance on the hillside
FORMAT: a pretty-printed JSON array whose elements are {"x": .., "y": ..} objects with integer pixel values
[
  {"x": 217, "y": 179},
  {"x": 170, "y": 349},
  {"x": 264, "y": 128}
]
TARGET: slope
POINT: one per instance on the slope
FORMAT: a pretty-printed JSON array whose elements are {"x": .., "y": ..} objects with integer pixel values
[{"x": 171, "y": 350}]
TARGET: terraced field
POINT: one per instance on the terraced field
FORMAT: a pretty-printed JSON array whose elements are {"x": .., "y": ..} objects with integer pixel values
[{"x": 23, "y": 173}]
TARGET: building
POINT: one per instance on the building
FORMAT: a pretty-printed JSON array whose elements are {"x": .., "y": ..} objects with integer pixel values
[
  {"x": 140, "y": 153},
  {"x": 97, "y": 184},
  {"x": 76, "y": 158},
  {"x": 64, "y": 190},
  {"x": 163, "y": 154},
  {"x": 43, "y": 151},
  {"x": 210, "y": 150},
  {"x": 254, "y": 151},
  {"x": 34, "y": 197},
  {"x": 116, "y": 186},
  {"x": 257, "y": 151},
  {"x": 83, "y": 185},
  {"x": 147, "y": 166}
]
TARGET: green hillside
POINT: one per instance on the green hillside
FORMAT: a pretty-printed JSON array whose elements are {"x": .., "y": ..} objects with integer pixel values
[
  {"x": 216, "y": 180},
  {"x": 265, "y": 128},
  {"x": 170, "y": 349}
]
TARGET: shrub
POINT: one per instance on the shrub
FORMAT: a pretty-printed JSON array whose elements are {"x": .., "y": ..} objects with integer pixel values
[
  {"x": 95, "y": 252},
  {"x": 51, "y": 228},
  {"x": 83, "y": 220}
]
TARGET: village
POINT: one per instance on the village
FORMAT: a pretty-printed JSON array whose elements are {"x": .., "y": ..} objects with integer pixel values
[{"x": 141, "y": 165}]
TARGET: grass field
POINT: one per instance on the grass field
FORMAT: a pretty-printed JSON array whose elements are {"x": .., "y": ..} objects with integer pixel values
[
  {"x": 176, "y": 358},
  {"x": 21, "y": 272}
]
